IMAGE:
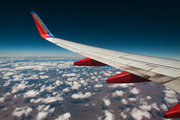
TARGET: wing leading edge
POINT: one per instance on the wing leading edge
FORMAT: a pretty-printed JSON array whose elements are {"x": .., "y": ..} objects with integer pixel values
[{"x": 160, "y": 70}]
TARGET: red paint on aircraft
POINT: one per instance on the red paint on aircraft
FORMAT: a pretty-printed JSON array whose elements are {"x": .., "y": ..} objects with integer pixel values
[
  {"x": 125, "y": 77},
  {"x": 40, "y": 29},
  {"x": 89, "y": 62},
  {"x": 174, "y": 112}
]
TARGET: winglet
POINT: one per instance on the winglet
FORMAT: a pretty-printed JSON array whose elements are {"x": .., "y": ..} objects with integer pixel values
[{"x": 44, "y": 32}]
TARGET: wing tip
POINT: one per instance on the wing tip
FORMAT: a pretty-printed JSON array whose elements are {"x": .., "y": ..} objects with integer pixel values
[{"x": 43, "y": 31}]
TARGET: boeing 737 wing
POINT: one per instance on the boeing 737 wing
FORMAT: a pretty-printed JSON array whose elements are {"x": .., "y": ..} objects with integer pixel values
[{"x": 137, "y": 68}]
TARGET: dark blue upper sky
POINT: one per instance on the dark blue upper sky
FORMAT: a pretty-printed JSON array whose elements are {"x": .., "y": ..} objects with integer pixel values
[{"x": 141, "y": 27}]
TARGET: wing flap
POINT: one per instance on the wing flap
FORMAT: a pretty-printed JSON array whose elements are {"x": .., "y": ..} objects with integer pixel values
[{"x": 174, "y": 85}]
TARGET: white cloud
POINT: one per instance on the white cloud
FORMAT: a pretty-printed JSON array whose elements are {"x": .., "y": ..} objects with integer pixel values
[
  {"x": 41, "y": 115},
  {"x": 117, "y": 93},
  {"x": 6, "y": 83},
  {"x": 40, "y": 107},
  {"x": 69, "y": 75},
  {"x": 7, "y": 94},
  {"x": 132, "y": 99},
  {"x": 2, "y": 99},
  {"x": 81, "y": 96},
  {"x": 8, "y": 74},
  {"x": 170, "y": 96},
  {"x": 163, "y": 106},
  {"x": 47, "y": 100},
  {"x": 139, "y": 114},
  {"x": 106, "y": 101},
  {"x": 124, "y": 101},
  {"x": 50, "y": 87},
  {"x": 134, "y": 91},
  {"x": 31, "y": 77},
  {"x": 123, "y": 115},
  {"x": 31, "y": 93},
  {"x": 142, "y": 101},
  {"x": 58, "y": 82},
  {"x": 18, "y": 87},
  {"x": 43, "y": 108},
  {"x": 82, "y": 81},
  {"x": 97, "y": 86},
  {"x": 19, "y": 111},
  {"x": 44, "y": 76},
  {"x": 66, "y": 89},
  {"x": 148, "y": 97},
  {"x": 170, "y": 100},
  {"x": 75, "y": 85},
  {"x": 46, "y": 108},
  {"x": 52, "y": 110},
  {"x": 154, "y": 105},
  {"x": 15, "y": 96},
  {"x": 4, "y": 96},
  {"x": 145, "y": 107},
  {"x": 109, "y": 116},
  {"x": 54, "y": 93},
  {"x": 124, "y": 85},
  {"x": 65, "y": 116},
  {"x": 93, "y": 77},
  {"x": 170, "y": 93},
  {"x": 42, "y": 88}
]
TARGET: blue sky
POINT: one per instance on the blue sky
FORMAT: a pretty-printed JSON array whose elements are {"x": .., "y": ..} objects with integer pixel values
[{"x": 141, "y": 27}]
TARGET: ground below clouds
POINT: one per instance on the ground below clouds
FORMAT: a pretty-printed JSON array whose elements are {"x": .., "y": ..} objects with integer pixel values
[{"x": 42, "y": 87}]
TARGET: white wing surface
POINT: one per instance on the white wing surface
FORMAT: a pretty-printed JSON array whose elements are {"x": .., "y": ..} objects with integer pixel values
[{"x": 160, "y": 70}]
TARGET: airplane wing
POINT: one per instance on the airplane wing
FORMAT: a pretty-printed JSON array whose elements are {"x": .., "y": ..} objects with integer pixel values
[{"x": 160, "y": 70}]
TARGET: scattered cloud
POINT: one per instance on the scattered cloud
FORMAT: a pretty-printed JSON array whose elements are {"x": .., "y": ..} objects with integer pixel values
[
  {"x": 44, "y": 76},
  {"x": 148, "y": 97},
  {"x": 41, "y": 115},
  {"x": 50, "y": 87},
  {"x": 154, "y": 105},
  {"x": 132, "y": 99},
  {"x": 124, "y": 101},
  {"x": 43, "y": 111},
  {"x": 106, "y": 101},
  {"x": 69, "y": 75},
  {"x": 65, "y": 116},
  {"x": 170, "y": 96},
  {"x": 118, "y": 93},
  {"x": 2, "y": 99},
  {"x": 58, "y": 82},
  {"x": 98, "y": 86},
  {"x": 18, "y": 87},
  {"x": 66, "y": 89},
  {"x": 163, "y": 107},
  {"x": 124, "y": 85},
  {"x": 145, "y": 107},
  {"x": 108, "y": 115},
  {"x": 31, "y": 93},
  {"x": 135, "y": 91},
  {"x": 19, "y": 111},
  {"x": 123, "y": 115},
  {"x": 81, "y": 96},
  {"x": 47, "y": 100},
  {"x": 139, "y": 114},
  {"x": 75, "y": 85}
]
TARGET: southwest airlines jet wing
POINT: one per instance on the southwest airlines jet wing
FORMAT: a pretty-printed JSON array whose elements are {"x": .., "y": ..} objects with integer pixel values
[{"x": 137, "y": 68}]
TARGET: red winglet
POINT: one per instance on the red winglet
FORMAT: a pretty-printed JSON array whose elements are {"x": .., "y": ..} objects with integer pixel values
[
  {"x": 43, "y": 31},
  {"x": 174, "y": 112},
  {"x": 125, "y": 77},
  {"x": 89, "y": 62}
]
